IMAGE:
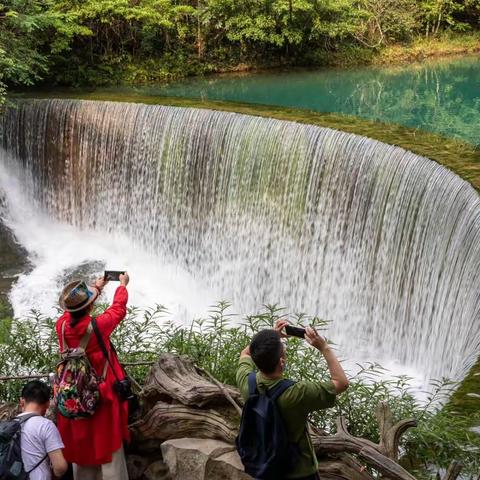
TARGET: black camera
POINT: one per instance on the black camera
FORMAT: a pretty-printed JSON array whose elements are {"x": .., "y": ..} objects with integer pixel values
[{"x": 123, "y": 389}]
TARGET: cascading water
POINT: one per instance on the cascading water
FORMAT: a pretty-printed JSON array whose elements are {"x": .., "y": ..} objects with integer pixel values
[{"x": 383, "y": 242}]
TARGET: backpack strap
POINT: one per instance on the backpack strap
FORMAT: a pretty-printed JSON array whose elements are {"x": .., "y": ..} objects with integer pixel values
[
  {"x": 279, "y": 388},
  {"x": 83, "y": 342},
  {"x": 64, "y": 342},
  {"x": 22, "y": 419},
  {"x": 104, "y": 350},
  {"x": 86, "y": 337},
  {"x": 37, "y": 465},
  {"x": 252, "y": 384}
]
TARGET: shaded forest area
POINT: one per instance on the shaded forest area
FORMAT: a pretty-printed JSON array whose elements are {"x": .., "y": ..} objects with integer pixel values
[{"x": 91, "y": 42}]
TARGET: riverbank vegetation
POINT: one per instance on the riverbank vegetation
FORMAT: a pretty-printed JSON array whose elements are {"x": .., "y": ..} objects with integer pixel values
[
  {"x": 64, "y": 42},
  {"x": 30, "y": 346}
]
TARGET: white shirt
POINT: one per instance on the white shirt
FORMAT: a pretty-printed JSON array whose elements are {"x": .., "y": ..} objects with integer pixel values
[{"x": 40, "y": 436}]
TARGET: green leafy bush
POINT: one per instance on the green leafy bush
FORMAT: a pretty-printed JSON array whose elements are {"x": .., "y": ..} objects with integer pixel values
[
  {"x": 214, "y": 343},
  {"x": 96, "y": 43}
]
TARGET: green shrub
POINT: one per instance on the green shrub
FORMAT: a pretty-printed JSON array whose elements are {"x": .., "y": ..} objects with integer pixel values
[{"x": 214, "y": 343}]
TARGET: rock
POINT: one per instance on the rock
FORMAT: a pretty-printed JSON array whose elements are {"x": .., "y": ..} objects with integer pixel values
[
  {"x": 157, "y": 471},
  {"x": 200, "y": 459},
  {"x": 226, "y": 466},
  {"x": 136, "y": 466}
]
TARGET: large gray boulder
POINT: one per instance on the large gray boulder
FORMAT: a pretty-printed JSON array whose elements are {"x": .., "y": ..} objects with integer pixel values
[{"x": 202, "y": 459}]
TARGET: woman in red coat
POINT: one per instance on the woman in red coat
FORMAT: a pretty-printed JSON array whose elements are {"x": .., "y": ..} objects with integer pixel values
[{"x": 95, "y": 444}]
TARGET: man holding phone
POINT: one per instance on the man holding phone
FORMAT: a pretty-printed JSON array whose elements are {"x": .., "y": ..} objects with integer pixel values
[{"x": 267, "y": 353}]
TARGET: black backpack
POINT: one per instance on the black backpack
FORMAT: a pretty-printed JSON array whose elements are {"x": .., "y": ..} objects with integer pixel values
[
  {"x": 11, "y": 465},
  {"x": 262, "y": 442}
]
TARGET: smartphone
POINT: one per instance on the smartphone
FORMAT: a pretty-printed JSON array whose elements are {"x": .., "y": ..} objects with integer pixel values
[
  {"x": 295, "y": 331},
  {"x": 113, "y": 275}
]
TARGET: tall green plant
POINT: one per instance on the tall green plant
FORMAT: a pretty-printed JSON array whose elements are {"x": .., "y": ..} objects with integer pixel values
[{"x": 214, "y": 343}]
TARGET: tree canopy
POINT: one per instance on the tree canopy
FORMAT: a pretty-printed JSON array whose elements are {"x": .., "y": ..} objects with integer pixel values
[{"x": 102, "y": 41}]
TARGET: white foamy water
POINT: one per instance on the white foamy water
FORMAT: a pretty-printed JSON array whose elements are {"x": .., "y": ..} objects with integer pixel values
[
  {"x": 201, "y": 206},
  {"x": 55, "y": 248}
]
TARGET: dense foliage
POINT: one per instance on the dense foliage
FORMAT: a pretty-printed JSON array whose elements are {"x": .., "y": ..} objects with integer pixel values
[
  {"x": 214, "y": 343},
  {"x": 102, "y": 41}
]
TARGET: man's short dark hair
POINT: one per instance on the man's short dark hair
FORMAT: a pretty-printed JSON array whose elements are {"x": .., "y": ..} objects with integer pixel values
[
  {"x": 36, "y": 391},
  {"x": 266, "y": 350}
]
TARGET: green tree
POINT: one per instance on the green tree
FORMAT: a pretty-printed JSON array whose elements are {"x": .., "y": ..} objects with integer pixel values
[
  {"x": 387, "y": 21},
  {"x": 438, "y": 13},
  {"x": 94, "y": 42},
  {"x": 31, "y": 32}
]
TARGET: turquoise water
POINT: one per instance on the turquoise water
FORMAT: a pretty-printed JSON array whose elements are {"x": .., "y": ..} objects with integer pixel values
[{"x": 442, "y": 96}]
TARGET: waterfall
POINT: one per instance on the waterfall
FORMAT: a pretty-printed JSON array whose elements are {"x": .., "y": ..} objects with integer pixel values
[{"x": 381, "y": 241}]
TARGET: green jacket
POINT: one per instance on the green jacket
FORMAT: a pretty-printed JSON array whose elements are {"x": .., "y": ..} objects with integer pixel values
[{"x": 294, "y": 404}]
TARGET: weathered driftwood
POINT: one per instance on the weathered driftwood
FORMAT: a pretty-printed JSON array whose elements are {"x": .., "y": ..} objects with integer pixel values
[
  {"x": 167, "y": 421},
  {"x": 345, "y": 467},
  {"x": 222, "y": 388},
  {"x": 7, "y": 411},
  {"x": 453, "y": 471},
  {"x": 175, "y": 378},
  {"x": 391, "y": 433},
  {"x": 367, "y": 451}
]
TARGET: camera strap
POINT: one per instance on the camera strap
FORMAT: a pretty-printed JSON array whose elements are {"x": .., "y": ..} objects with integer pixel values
[{"x": 104, "y": 350}]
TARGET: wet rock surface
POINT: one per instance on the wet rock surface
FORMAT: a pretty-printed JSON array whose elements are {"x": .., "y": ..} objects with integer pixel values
[{"x": 13, "y": 261}]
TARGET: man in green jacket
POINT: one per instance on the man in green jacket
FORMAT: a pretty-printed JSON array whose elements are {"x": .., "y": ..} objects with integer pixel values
[{"x": 267, "y": 353}]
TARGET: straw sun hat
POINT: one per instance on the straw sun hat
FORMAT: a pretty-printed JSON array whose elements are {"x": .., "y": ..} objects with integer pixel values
[{"x": 76, "y": 296}]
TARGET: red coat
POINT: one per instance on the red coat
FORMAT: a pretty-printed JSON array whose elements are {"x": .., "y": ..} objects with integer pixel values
[{"x": 91, "y": 441}]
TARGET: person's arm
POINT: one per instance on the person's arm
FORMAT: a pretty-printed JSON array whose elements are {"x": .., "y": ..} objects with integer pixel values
[
  {"x": 53, "y": 446},
  {"x": 244, "y": 369},
  {"x": 245, "y": 353},
  {"x": 114, "y": 314},
  {"x": 339, "y": 379},
  {"x": 58, "y": 462}
]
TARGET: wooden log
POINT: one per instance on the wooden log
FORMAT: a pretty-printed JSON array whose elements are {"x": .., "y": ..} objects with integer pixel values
[
  {"x": 391, "y": 433},
  {"x": 352, "y": 467},
  {"x": 25, "y": 377},
  {"x": 453, "y": 471},
  {"x": 176, "y": 378},
  {"x": 234, "y": 404},
  {"x": 166, "y": 421},
  {"x": 344, "y": 467},
  {"x": 8, "y": 411},
  {"x": 367, "y": 451}
]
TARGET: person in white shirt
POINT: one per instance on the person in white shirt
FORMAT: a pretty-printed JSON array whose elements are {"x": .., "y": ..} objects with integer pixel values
[{"x": 40, "y": 439}]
